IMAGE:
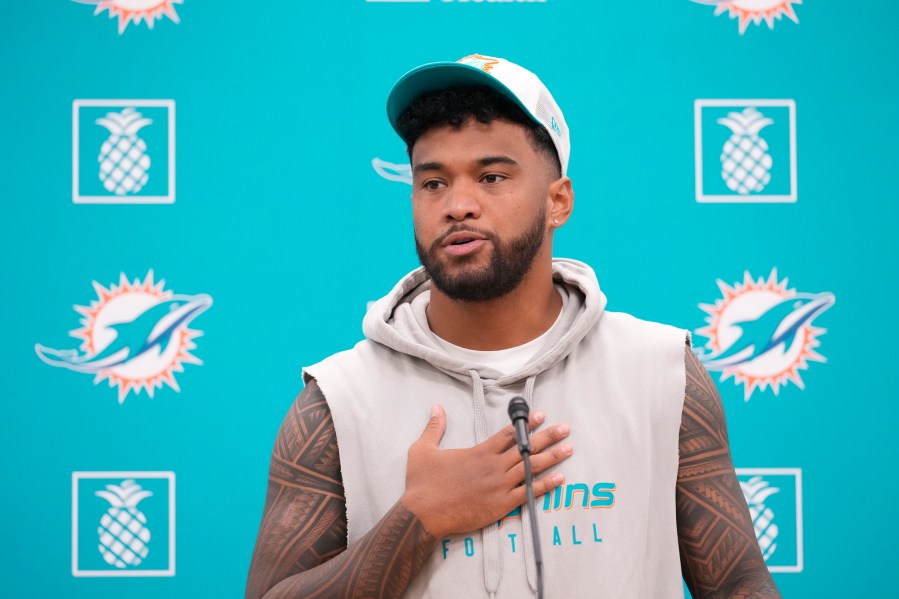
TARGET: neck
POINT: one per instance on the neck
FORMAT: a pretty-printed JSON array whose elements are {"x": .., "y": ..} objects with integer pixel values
[{"x": 520, "y": 316}]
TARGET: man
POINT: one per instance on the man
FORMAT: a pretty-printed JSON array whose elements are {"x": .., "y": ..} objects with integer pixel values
[{"x": 395, "y": 473}]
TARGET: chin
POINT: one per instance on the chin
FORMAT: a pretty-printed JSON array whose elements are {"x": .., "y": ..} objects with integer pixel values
[{"x": 465, "y": 264}]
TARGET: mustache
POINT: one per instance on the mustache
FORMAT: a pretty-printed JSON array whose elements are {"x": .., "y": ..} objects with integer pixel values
[{"x": 461, "y": 227}]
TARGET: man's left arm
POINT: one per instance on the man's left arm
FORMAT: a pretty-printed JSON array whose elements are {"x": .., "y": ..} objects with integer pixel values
[{"x": 720, "y": 555}]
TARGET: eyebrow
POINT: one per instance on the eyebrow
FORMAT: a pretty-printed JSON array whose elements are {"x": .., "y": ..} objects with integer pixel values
[
  {"x": 491, "y": 160},
  {"x": 485, "y": 161},
  {"x": 427, "y": 166}
]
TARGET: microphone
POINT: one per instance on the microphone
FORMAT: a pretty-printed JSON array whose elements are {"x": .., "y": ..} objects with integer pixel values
[{"x": 518, "y": 412}]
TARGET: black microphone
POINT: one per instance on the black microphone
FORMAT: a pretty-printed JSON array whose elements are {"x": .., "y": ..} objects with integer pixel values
[{"x": 518, "y": 412}]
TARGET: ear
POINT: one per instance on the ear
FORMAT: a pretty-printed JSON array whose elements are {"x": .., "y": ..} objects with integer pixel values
[{"x": 560, "y": 202}]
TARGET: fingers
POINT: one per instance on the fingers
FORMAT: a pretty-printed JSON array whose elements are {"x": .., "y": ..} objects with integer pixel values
[
  {"x": 435, "y": 427},
  {"x": 542, "y": 486},
  {"x": 535, "y": 420},
  {"x": 505, "y": 438},
  {"x": 539, "y": 442},
  {"x": 549, "y": 437},
  {"x": 541, "y": 462}
]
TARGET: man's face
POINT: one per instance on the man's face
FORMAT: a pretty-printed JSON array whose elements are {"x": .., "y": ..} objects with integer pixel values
[{"x": 479, "y": 205}]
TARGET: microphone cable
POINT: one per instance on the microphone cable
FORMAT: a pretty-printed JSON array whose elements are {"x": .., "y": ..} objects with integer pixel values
[{"x": 518, "y": 412}]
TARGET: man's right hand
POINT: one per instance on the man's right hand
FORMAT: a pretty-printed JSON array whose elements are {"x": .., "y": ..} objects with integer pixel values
[{"x": 462, "y": 490}]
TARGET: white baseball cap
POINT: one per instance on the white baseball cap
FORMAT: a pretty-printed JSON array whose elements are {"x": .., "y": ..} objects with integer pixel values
[{"x": 508, "y": 79}]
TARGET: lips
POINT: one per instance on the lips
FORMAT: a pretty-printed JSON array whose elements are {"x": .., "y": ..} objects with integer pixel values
[
  {"x": 463, "y": 243},
  {"x": 462, "y": 237}
]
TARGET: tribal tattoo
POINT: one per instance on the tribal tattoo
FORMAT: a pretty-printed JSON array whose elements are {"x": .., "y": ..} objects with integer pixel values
[
  {"x": 301, "y": 550},
  {"x": 720, "y": 556}
]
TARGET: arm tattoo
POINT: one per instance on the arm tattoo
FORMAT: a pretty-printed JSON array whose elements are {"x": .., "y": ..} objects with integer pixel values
[
  {"x": 301, "y": 550},
  {"x": 720, "y": 556}
]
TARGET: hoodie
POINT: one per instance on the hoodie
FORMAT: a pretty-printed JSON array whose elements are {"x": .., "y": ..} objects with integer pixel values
[{"x": 610, "y": 529}]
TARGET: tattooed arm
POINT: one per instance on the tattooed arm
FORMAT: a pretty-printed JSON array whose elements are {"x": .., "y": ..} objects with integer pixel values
[
  {"x": 720, "y": 556},
  {"x": 301, "y": 549}
]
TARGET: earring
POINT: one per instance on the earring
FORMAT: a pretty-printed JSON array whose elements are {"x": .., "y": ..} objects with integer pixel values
[{"x": 556, "y": 222}]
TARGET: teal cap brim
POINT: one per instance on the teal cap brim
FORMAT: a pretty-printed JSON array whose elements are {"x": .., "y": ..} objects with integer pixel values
[{"x": 436, "y": 76}]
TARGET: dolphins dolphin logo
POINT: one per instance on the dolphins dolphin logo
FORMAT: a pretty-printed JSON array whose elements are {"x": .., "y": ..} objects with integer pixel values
[
  {"x": 151, "y": 329},
  {"x": 135, "y": 11},
  {"x": 754, "y": 11},
  {"x": 393, "y": 172},
  {"x": 775, "y": 328}
]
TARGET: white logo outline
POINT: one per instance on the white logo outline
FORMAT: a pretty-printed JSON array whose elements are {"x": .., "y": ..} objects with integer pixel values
[
  {"x": 796, "y": 473},
  {"x": 77, "y": 198},
  {"x": 78, "y": 476},
  {"x": 761, "y": 198}
]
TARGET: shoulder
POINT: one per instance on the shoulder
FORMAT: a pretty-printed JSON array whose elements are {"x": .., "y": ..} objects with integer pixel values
[
  {"x": 643, "y": 343},
  {"x": 359, "y": 356},
  {"x": 703, "y": 411},
  {"x": 309, "y": 418},
  {"x": 628, "y": 323}
]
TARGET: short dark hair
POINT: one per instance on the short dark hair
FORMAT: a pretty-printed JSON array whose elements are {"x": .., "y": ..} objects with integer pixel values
[{"x": 456, "y": 105}]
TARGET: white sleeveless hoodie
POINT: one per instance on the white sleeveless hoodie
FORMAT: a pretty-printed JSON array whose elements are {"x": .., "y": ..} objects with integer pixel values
[{"x": 610, "y": 530}]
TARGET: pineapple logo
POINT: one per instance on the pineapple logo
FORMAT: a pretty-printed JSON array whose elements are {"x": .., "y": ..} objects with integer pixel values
[
  {"x": 774, "y": 498},
  {"x": 760, "y": 333},
  {"x": 123, "y": 532},
  {"x": 755, "y": 11},
  {"x": 756, "y": 490},
  {"x": 135, "y": 11},
  {"x": 745, "y": 150},
  {"x": 135, "y": 335},
  {"x": 745, "y": 162},
  {"x": 128, "y": 151},
  {"x": 123, "y": 157},
  {"x": 112, "y": 517}
]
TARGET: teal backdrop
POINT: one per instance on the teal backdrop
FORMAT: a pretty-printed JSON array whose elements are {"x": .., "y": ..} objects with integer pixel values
[{"x": 262, "y": 199}]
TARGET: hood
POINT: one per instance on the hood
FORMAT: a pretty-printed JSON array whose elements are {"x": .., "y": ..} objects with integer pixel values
[{"x": 399, "y": 321}]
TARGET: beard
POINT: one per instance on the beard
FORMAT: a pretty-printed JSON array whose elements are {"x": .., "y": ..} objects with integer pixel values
[{"x": 509, "y": 263}]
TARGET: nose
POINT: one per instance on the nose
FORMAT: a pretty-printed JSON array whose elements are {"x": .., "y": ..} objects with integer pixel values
[{"x": 461, "y": 202}]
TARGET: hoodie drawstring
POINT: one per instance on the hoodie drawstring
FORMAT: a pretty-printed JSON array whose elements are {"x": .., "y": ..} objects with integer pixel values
[
  {"x": 490, "y": 533},
  {"x": 530, "y": 567}
]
